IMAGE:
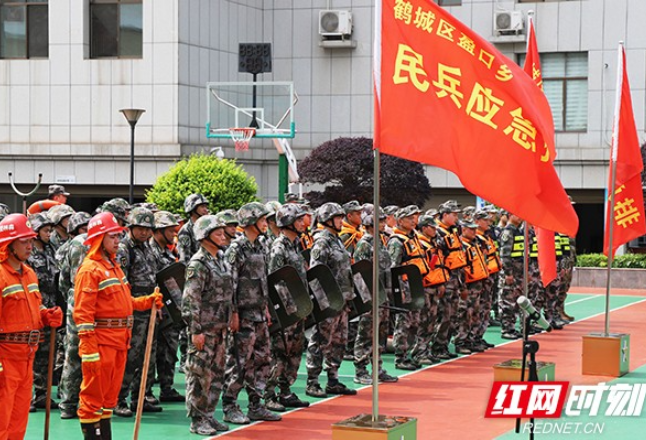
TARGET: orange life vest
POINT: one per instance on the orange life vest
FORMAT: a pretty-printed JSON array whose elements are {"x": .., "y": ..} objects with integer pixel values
[
  {"x": 456, "y": 257},
  {"x": 476, "y": 269},
  {"x": 413, "y": 251},
  {"x": 438, "y": 274},
  {"x": 491, "y": 253}
]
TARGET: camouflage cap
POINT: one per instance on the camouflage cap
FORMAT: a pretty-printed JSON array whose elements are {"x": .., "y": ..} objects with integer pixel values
[
  {"x": 329, "y": 210},
  {"x": 141, "y": 217},
  {"x": 432, "y": 212},
  {"x": 250, "y": 213},
  {"x": 391, "y": 209},
  {"x": 407, "y": 211},
  {"x": 122, "y": 203},
  {"x": 205, "y": 225},
  {"x": 291, "y": 197},
  {"x": 272, "y": 207},
  {"x": 491, "y": 209},
  {"x": 4, "y": 211},
  {"x": 426, "y": 220},
  {"x": 115, "y": 207},
  {"x": 228, "y": 217},
  {"x": 468, "y": 210},
  {"x": 165, "y": 219},
  {"x": 481, "y": 214},
  {"x": 288, "y": 214},
  {"x": 57, "y": 189},
  {"x": 352, "y": 206},
  {"x": 152, "y": 206},
  {"x": 58, "y": 212},
  {"x": 40, "y": 220},
  {"x": 448, "y": 207},
  {"x": 193, "y": 201},
  {"x": 368, "y": 214},
  {"x": 469, "y": 225},
  {"x": 77, "y": 220}
]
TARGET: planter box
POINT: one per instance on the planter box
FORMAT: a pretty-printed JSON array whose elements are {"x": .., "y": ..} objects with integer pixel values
[{"x": 597, "y": 277}]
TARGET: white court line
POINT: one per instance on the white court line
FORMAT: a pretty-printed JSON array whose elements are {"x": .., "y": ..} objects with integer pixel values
[{"x": 584, "y": 299}]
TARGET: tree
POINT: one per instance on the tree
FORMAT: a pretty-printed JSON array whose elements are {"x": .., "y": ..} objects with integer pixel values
[
  {"x": 346, "y": 167},
  {"x": 223, "y": 182}
]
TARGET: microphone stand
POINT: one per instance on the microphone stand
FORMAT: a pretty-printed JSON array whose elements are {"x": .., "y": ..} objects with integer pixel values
[{"x": 530, "y": 348}]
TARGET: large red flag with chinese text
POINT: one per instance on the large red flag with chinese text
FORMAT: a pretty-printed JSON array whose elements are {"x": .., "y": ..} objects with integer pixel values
[
  {"x": 545, "y": 237},
  {"x": 446, "y": 97},
  {"x": 627, "y": 215}
]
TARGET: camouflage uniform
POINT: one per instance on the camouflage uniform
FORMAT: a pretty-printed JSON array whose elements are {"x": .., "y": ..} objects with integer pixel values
[
  {"x": 328, "y": 340},
  {"x": 567, "y": 263},
  {"x": 139, "y": 267},
  {"x": 287, "y": 348},
  {"x": 71, "y": 378},
  {"x": 469, "y": 309},
  {"x": 206, "y": 308},
  {"x": 248, "y": 355},
  {"x": 43, "y": 261},
  {"x": 488, "y": 298},
  {"x": 512, "y": 257}
]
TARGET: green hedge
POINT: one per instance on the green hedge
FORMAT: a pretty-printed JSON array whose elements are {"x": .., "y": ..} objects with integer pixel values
[{"x": 631, "y": 261}]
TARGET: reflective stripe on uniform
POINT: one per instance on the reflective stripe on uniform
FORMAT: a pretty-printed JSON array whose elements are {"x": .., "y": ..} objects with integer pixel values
[
  {"x": 109, "y": 283},
  {"x": 11, "y": 290},
  {"x": 93, "y": 357}
]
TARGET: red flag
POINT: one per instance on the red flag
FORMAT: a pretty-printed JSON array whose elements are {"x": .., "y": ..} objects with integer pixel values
[
  {"x": 627, "y": 215},
  {"x": 446, "y": 97},
  {"x": 544, "y": 237}
]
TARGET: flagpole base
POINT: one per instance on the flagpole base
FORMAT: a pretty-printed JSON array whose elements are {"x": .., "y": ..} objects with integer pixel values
[
  {"x": 509, "y": 371},
  {"x": 361, "y": 427},
  {"x": 606, "y": 355}
]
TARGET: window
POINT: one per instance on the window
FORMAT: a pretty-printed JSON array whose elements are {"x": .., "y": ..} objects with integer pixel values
[
  {"x": 24, "y": 29},
  {"x": 116, "y": 28},
  {"x": 565, "y": 82}
]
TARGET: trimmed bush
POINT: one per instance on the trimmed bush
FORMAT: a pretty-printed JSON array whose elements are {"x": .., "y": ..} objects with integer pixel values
[
  {"x": 626, "y": 261},
  {"x": 223, "y": 182}
]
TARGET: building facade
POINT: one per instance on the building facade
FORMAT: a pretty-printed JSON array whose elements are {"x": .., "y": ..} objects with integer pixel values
[{"x": 68, "y": 66}]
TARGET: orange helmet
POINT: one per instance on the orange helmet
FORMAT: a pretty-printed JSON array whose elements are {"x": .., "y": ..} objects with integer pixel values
[
  {"x": 15, "y": 226},
  {"x": 100, "y": 224}
]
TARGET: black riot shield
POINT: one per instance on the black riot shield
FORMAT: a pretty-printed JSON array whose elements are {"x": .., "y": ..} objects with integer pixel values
[
  {"x": 362, "y": 277},
  {"x": 306, "y": 255},
  {"x": 325, "y": 294},
  {"x": 408, "y": 289},
  {"x": 288, "y": 297},
  {"x": 171, "y": 284}
]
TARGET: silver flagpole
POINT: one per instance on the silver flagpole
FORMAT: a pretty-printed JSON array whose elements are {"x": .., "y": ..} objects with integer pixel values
[{"x": 375, "y": 289}]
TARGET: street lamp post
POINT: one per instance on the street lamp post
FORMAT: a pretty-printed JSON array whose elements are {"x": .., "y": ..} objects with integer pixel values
[{"x": 132, "y": 115}]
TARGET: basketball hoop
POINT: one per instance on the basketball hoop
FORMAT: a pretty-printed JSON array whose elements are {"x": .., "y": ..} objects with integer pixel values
[{"x": 241, "y": 137}]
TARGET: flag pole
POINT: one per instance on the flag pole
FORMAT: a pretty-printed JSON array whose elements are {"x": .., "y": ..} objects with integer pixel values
[
  {"x": 611, "y": 183},
  {"x": 375, "y": 288}
]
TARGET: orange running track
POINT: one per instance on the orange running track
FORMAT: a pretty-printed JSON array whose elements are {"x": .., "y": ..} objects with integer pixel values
[{"x": 449, "y": 399}]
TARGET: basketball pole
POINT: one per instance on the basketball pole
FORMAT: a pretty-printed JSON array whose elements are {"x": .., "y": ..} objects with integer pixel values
[{"x": 283, "y": 180}]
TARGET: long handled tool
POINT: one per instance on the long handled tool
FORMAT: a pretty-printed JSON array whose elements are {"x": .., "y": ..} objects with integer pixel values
[
  {"x": 144, "y": 369},
  {"x": 50, "y": 379}
]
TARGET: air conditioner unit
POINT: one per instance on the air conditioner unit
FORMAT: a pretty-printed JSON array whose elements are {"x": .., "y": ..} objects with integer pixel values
[
  {"x": 508, "y": 22},
  {"x": 335, "y": 23}
]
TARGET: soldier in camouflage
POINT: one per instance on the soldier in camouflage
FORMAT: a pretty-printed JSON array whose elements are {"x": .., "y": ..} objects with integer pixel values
[
  {"x": 230, "y": 219},
  {"x": 70, "y": 256},
  {"x": 248, "y": 354},
  {"x": 195, "y": 206},
  {"x": 391, "y": 221},
  {"x": 363, "y": 341},
  {"x": 483, "y": 219},
  {"x": 139, "y": 267},
  {"x": 60, "y": 217},
  {"x": 43, "y": 261},
  {"x": 287, "y": 348},
  {"x": 404, "y": 248},
  {"x": 4, "y": 211},
  {"x": 273, "y": 231},
  {"x": 565, "y": 269},
  {"x": 164, "y": 236},
  {"x": 206, "y": 309},
  {"x": 329, "y": 337},
  {"x": 512, "y": 248}
]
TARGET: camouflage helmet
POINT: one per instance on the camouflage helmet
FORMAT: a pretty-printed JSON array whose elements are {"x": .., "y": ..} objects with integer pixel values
[
  {"x": 77, "y": 220},
  {"x": 58, "y": 212},
  {"x": 432, "y": 212},
  {"x": 288, "y": 214},
  {"x": 291, "y": 197},
  {"x": 250, "y": 213},
  {"x": 40, "y": 220},
  {"x": 152, "y": 206},
  {"x": 228, "y": 217},
  {"x": 193, "y": 201},
  {"x": 426, "y": 220},
  {"x": 4, "y": 211},
  {"x": 449, "y": 207},
  {"x": 481, "y": 214},
  {"x": 143, "y": 217},
  {"x": 122, "y": 203},
  {"x": 273, "y": 208},
  {"x": 116, "y": 208},
  {"x": 205, "y": 225},
  {"x": 329, "y": 210},
  {"x": 352, "y": 206},
  {"x": 391, "y": 209},
  {"x": 468, "y": 211},
  {"x": 367, "y": 214},
  {"x": 407, "y": 211},
  {"x": 164, "y": 219}
]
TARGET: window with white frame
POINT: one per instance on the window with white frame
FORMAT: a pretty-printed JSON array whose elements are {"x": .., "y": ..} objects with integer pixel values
[
  {"x": 116, "y": 28},
  {"x": 24, "y": 29}
]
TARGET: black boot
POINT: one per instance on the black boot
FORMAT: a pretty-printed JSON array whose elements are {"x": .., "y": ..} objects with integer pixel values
[
  {"x": 106, "y": 429},
  {"x": 91, "y": 431}
]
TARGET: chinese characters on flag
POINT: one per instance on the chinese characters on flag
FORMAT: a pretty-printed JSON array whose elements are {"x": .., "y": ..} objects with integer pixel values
[
  {"x": 627, "y": 214},
  {"x": 545, "y": 238},
  {"x": 446, "y": 97}
]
